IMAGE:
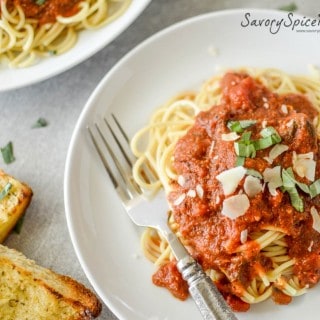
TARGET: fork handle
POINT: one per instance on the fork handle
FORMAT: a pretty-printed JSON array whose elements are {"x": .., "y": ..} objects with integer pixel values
[{"x": 208, "y": 299}]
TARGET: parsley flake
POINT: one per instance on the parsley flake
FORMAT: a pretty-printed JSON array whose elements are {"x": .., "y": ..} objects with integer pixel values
[
  {"x": 7, "y": 153},
  {"x": 41, "y": 122},
  {"x": 5, "y": 190},
  {"x": 18, "y": 226},
  {"x": 289, "y": 7}
]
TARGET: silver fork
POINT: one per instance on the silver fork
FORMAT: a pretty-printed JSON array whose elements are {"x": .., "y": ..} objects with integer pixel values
[{"x": 112, "y": 145}]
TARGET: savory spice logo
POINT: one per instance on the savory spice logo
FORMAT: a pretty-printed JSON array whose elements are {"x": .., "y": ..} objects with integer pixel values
[{"x": 290, "y": 21}]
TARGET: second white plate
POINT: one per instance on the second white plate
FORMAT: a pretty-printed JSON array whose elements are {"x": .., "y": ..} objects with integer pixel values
[{"x": 89, "y": 42}]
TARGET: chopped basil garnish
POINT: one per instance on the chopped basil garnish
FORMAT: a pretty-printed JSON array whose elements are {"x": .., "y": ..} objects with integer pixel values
[
  {"x": 268, "y": 131},
  {"x": 246, "y": 136},
  {"x": 295, "y": 199},
  {"x": 314, "y": 188},
  {"x": 270, "y": 137},
  {"x": 240, "y": 161},
  {"x": 41, "y": 122},
  {"x": 40, "y": 2},
  {"x": 247, "y": 148},
  {"x": 254, "y": 173},
  {"x": 5, "y": 190},
  {"x": 240, "y": 125},
  {"x": 289, "y": 180},
  {"x": 7, "y": 153},
  {"x": 289, "y": 7}
]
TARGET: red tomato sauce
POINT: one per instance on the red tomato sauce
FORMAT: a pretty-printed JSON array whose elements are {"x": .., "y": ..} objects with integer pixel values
[
  {"x": 46, "y": 12},
  {"x": 214, "y": 238}
]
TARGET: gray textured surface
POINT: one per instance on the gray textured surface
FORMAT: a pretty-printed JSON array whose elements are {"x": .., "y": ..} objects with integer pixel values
[{"x": 41, "y": 153}]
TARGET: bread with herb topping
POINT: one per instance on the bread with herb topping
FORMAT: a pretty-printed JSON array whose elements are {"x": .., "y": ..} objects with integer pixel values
[
  {"x": 27, "y": 290},
  {"x": 31, "y": 292},
  {"x": 15, "y": 198}
]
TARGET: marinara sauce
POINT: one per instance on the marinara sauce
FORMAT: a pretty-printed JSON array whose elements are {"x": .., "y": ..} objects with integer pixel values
[
  {"x": 47, "y": 10},
  {"x": 213, "y": 238}
]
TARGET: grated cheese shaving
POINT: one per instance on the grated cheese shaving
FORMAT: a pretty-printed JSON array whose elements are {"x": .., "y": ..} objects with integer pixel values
[
  {"x": 199, "y": 190},
  {"x": 275, "y": 152},
  {"x": 244, "y": 236},
  {"x": 304, "y": 165},
  {"x": 181, "y": 180},
  {"x": 235, "y": 206},
  {"x": 273, "y": 177},
  {"x": 211, "y": 148},
  {"x": 232, "y": 136},
  {"x": 284, "y": 109},
  {"x": 179, "y": 200},
  {"x": 316, "y": 219},
  {"x": 231, "y": 178},
  {"x": 191, "y": 193},
  {"x": 252, "y": 186}
]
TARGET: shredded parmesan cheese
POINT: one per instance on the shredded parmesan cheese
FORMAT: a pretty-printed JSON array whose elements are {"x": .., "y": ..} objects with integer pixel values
[
  {"x": 244, "y": 236},
  {"x": 230, "y": 179},
  {"x": 275, "y": 152},
  {"x": 235, "y": 206},
  {"x": 181, "y": 181},
  {"x": 316, "y": 219},
  {"x": 199, "y": 190},
  {"x": 179, "y": 200},
  {"x": 290, "y": 123},
  {"x": 284, "y": 109},
  {"x": 273, "y": 177},
  {"x": 310, "y": 246},
  {"x": 211, "y": 148},
  {"x": 252, "y": 186},
  {"x": 304, "y": 165},
  {"x": 232, "y": 136},
  {"x": 191, "y": 193}
]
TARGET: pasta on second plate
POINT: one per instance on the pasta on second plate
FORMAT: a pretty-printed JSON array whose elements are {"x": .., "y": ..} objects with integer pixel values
[{"x": 32, "y": 29}]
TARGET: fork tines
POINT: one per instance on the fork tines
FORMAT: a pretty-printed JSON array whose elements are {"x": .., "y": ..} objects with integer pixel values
[{"x": 112, "y": 144}]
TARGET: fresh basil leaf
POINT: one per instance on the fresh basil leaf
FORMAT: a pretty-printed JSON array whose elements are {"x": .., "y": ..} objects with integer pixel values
[
  {"x": 315, "y": 188},
  {"x": 240, "y": 125},
  {"x": 295, "y": 199}
]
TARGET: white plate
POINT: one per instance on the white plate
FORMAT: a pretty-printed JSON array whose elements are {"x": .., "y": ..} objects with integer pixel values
[
  {"x": 176, "y": 59},
  {"x": 89, "y": 42}
]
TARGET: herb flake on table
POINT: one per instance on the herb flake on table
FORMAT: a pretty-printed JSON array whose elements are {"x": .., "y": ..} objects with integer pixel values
[
  {"x": 289, "y": 7},
  {"x": 17, "y": 228},
  {"x": 7, "y": 153},
  {"x": 41, "y": 122}
]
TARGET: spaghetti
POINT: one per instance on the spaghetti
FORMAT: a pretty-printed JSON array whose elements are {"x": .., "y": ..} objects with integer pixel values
[
  {"x": 30, "y": 29},
  {"x": 239, "y": 162}
]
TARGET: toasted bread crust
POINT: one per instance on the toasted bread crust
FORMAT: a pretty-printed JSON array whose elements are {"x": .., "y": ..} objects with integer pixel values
[
  {"x": 27, "y": 290},
  {"x": 13, "y": 205},
  {"x": 61, "y": 291}
]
